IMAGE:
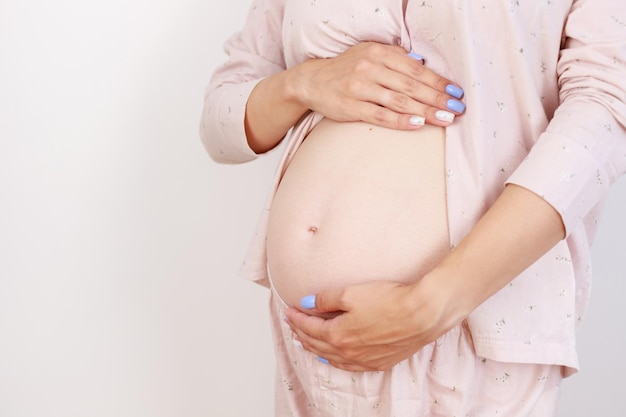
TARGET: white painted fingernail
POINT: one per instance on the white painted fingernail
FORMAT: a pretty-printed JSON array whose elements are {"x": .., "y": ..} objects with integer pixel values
[
  {"x": 297, "y": 344},
  {"x": 417, "y": 121},
  {"x": 444, "y": 116}
]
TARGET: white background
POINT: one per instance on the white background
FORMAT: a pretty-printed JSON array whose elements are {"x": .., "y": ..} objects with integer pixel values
[{"x": 120, "y": 240}]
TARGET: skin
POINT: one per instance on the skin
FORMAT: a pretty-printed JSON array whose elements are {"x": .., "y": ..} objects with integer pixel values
[
  {"x": 370, "y": 82},
  {"x": 383, "y": 323}
]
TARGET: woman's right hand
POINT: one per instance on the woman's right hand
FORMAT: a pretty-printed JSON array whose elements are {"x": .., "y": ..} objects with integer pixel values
[
  {"x": 379, "y": 84},
  {"x": 370, "y": 82}
]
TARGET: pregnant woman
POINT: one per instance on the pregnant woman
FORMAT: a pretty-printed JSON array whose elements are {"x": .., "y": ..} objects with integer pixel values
[{"x": 425, "y": 259}]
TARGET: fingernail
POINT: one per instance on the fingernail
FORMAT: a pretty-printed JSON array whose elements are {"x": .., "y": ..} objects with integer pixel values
[
  {"x": 297, "y": 344},
  {"x": 417, "y": 121},
  {"x": 308, "y": 302},
  {"x": 416, "y": 56},
  {"x": 454, "y": 91},
  {"x": 455, "y": 105},
  {"x": 444, "y": 116},
  {"x": 324, "y": 361}
]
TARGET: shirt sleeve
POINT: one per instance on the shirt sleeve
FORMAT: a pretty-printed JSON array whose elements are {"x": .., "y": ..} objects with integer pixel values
[
  {"x": 583, "y": 150},
  {"x": 253, "y": 53}
]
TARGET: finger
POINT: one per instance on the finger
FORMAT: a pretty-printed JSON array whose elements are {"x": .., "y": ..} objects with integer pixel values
[
  {"x": 408, "y": 113},
  {"x": 308, "y": 302},
  {"x": 418, "y": 71},
  {"x": 313, "y": 333},
  {"x": 352, "y": 360},
  {"x": 382, "y": 116},
  {"x": 345, "y": 366},
  {"x": 351, "y": 366},
  {"x": 303, "y": 324},
  {"x": 394, "y": 99},
  {"x": 317, "y": 347},
  {"x": 412, "y": 78},
  {"x": 331, "y": 301},
  {"x": 405, "y": 75},
  {"x": 369, "y": 107},
  {"x": 437, "y": 116},
  {"x": 416, "y": 56},
  {"x": 412, "y": 65},
  {"x": 407, "y": 95}
]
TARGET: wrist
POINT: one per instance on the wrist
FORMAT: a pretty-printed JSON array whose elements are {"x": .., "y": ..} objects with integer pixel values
[
  {"x": 299, "y": 85},
  {"x": 272, "y": 109},
  {"x": 441, "y": 296},
  {"x": 288, "y": 85}
]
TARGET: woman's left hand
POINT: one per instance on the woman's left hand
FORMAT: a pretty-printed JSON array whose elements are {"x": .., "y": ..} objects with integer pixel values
[
  {"x": 382, "y": 323},
  {"x": 378, "y": 324}
]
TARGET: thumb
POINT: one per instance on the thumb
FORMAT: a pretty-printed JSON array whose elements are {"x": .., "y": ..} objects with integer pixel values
[{"x": 328, "y": 301}]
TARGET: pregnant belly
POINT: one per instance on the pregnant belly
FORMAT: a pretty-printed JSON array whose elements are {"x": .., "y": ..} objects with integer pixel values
[{"x": 358, "y": 203}]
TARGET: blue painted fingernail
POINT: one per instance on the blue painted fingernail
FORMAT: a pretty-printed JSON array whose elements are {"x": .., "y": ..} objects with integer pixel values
[
  {"x": 416, "y": 56},
  {"x": 308, "y": 302},
  {"x": 324, "y": 361},
  {"x": 454, "y": 91},
  {"x": 455, "y": 105}
]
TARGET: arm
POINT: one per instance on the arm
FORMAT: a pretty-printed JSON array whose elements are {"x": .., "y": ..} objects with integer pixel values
[
  {"x": 251, "y": 58},
  {"x": 371, "y": 82},
  {"x": 375, "y": 333},
  {"x": 583, "y": 150},
  {"x": 253, "y": 100}
]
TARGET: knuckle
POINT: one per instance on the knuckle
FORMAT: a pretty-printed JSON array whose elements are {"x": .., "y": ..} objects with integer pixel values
[
  {"x": 441, "y": 83},
  {"x": 305, "y": 345},
  {"x": 353, "y": 85},
  {"x": 335, "y": 340},
  {"x": 411, "y": 85},
  {"x": 362, "y": 65},
  {"x": 351, "y": 355},
  {"x": 320, "y": 300},
  {"x": 399, "y": 101},
  {"x": 398, "y": 49},
  {"x": 430, "y": 113},
  {"x": 346, "y": 297},
  {"x": 350, "y": 368},
  {"x": 375, "y": 49},
  {"x": 379, "y": 367},
  {"x": 418, "y": 70},
  {"x": 379, "y": 115},
  {"x": 441, "y": 98}
]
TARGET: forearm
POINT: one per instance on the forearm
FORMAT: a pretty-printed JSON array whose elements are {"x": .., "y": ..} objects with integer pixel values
[
  {"x": 515, "y": 232},
  {"x": 272, "y": 109}
]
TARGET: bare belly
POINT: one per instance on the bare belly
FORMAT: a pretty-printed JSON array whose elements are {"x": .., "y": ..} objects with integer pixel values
[{"x": 358, "y": 203}]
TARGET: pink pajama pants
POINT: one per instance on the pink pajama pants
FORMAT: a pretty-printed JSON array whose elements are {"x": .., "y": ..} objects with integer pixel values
[{"x": 445, "y": 378}]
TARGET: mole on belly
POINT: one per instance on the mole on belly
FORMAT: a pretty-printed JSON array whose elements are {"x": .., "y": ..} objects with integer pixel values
[{"x": 312, "y": 229}]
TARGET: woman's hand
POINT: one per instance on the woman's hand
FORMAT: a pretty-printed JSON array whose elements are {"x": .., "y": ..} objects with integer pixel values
[
  {"x": 382, "y": 323},
  {"x": 378, "y": 84},
  {"x": 379, "y": 324},
  {"x": 370, "y": 82}
]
